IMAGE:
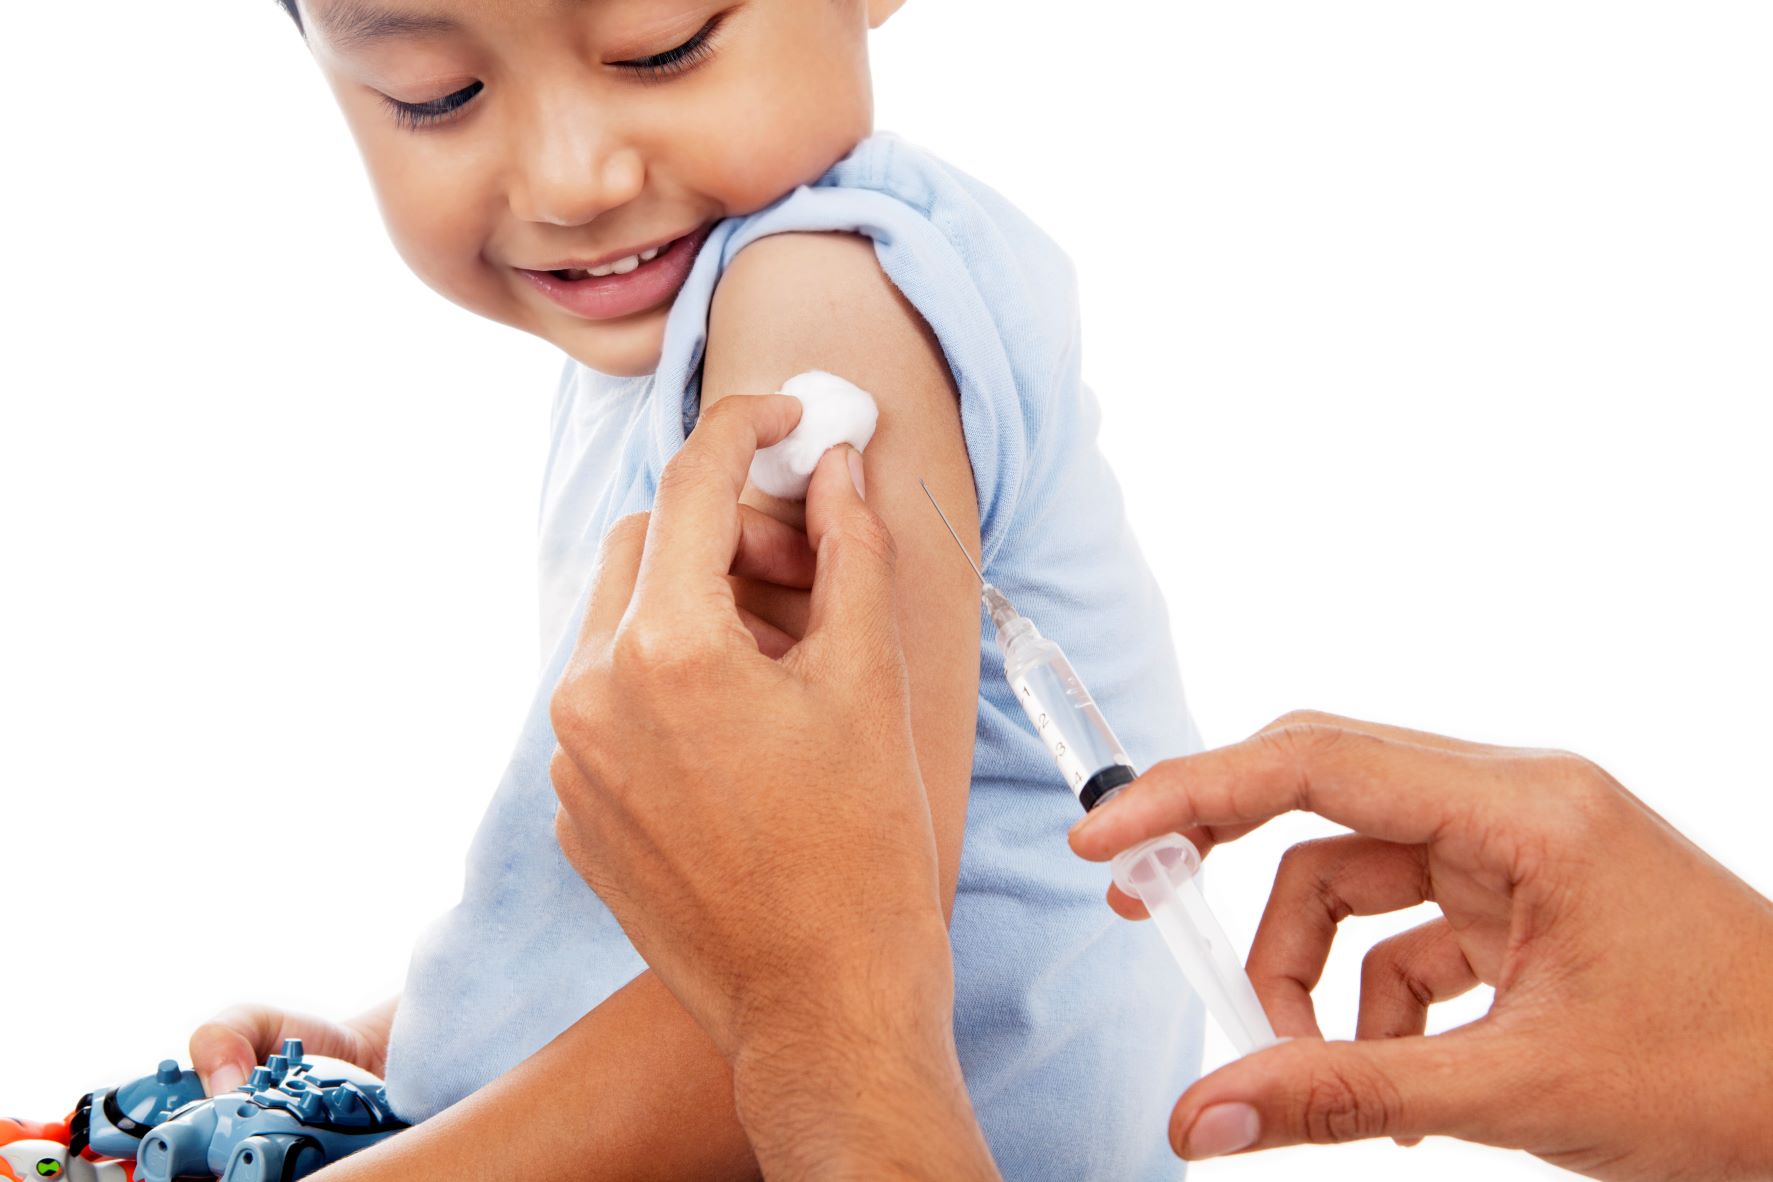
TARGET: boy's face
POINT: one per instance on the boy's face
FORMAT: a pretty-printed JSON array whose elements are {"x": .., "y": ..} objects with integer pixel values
[{"x": 517, "y": 145}]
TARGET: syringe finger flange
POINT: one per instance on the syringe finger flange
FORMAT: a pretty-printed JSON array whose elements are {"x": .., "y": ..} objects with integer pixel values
[{"x": 1169, "y": 854}]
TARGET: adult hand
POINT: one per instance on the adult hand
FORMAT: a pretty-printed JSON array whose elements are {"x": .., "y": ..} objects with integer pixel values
[
  {"x": 1631, "y": 1035},
  {"x": 225, "y": 1049},
  {"x": 757, "y": 822}
]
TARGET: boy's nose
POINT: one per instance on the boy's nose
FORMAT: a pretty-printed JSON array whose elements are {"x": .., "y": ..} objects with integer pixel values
[{"x": 568, "y": 179}]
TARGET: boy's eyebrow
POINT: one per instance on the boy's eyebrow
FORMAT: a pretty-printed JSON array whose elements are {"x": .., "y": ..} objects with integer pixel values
[{"x": 352, "y": 23}]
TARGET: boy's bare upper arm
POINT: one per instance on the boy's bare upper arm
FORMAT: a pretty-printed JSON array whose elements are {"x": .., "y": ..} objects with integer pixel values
[{"x": 794, "y": 302}]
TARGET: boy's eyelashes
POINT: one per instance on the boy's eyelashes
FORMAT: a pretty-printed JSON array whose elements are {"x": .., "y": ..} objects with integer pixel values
[
  {"x": 677, "y": 60},
  {"x": 416, "y": 115}
]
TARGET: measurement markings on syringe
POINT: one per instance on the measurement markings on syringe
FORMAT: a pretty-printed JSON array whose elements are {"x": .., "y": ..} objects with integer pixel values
[{"x": 1049, "y": 733}]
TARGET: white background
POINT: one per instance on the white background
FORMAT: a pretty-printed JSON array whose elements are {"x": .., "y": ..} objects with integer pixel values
[{"x": 1433, "y": 340}]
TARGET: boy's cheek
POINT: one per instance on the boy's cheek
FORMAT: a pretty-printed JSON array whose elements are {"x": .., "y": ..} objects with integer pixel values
[
  {"x": 443, "y": 242},
  {"x": 432, "y": 207},
  {"x": 444, "y": 249},
  {"x": 436, "y": 237},
  {"x": 749, "y": 166}
]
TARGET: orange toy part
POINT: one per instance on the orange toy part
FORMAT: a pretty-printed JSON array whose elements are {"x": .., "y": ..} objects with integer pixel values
[
  {"x": 32, "y": 1130},
  {"x": 40, "y": 1149},
  {"x": 89, "y": 1167}
]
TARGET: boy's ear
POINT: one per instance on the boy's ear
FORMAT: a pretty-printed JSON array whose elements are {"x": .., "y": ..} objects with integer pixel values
[{"x": 879, "y": 10}]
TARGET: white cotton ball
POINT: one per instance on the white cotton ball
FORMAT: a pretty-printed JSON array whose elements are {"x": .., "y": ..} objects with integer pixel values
[{"x": 832, "y": 411}]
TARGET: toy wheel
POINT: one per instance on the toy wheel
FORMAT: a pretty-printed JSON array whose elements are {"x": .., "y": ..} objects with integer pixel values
[{"x": 274, "y": 1157}]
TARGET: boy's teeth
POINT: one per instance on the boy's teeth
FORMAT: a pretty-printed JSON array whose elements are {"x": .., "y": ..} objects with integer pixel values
[{"x": 620, "y": 267}]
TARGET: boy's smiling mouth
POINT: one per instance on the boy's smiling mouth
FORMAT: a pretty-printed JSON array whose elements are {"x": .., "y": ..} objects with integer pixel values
[{"x": 612, "y": 286}]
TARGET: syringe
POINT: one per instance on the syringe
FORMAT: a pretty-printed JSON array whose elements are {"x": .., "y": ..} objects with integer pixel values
[{"x": 1159, "y": 872}]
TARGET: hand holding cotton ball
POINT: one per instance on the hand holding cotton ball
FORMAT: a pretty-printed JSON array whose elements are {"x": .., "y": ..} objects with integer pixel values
[{"x": 832, "y": 411}]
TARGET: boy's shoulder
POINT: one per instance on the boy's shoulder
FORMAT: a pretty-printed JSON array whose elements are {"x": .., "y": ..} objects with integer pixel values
[
  {"x": 958, "y": 203},
  {"x": 970, "y": 262},
  {"x": 810, "y": 300},
  {"x": 892, "y": 253}
]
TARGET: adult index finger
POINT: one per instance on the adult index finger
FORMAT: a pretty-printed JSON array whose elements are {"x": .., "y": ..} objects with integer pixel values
[
  {"x": 1299, "y": 718},
  {"x": 695, "y": 519},
  {"x": 852, "y": 621},
  {"x": 612, "y": 582},
  {"x": 1377, "y": 785}
]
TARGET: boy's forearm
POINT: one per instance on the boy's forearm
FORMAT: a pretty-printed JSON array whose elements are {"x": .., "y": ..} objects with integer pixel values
[{"x": 633, "y": 1090}]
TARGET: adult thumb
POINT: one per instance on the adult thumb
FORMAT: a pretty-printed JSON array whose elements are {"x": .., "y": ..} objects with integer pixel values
[
  {"x": 853, "y": 608},
  {"x": 1310, "y": 1091}
]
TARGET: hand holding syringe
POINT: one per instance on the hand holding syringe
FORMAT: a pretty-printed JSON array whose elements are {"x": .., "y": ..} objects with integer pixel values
[{"x": 1160, "y": 872}]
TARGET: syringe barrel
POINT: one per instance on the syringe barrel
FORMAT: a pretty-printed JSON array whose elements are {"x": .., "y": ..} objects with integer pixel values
[{"x": 1064, "y": 715}]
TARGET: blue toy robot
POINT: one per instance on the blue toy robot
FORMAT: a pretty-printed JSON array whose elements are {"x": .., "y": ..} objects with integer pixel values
[
  {"x": 290, "y": 1118},
  {"x": 113, "y": 1121}
]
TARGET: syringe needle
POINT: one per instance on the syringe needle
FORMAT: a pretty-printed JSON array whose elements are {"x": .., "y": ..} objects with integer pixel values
[{"x": 951, "y": 533}]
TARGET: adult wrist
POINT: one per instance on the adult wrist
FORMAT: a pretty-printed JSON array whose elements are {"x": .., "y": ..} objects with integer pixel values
[
  {"x": 895, "y": 978},
  {"x": 855, "y": 1072},
  {"x": 893, "y": 965},
  {"x": 843, "y": 1100}
]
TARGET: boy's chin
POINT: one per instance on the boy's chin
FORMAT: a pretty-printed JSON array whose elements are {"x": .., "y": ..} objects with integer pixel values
[{"x": 629, "y": 347}]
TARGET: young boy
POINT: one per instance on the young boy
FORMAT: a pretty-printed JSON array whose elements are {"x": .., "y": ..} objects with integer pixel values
[{"x": 684, "y": 195}]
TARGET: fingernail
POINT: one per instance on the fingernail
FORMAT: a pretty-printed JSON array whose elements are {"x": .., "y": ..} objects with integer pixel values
[
  {"x": 1092, "y": 818},
  {"x": 225, "y": 1079},
  {"x": 1222, "y": 1128},
  {"x": 856, "y": 474}
]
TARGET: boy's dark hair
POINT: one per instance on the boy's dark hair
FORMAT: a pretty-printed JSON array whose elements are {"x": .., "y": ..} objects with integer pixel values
[{"x": 295, "y": 15}]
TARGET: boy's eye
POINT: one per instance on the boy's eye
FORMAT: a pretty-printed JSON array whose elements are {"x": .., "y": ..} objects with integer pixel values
[
  {"x": 419, "y": 114},
  {"x": 675, "y": 60}
]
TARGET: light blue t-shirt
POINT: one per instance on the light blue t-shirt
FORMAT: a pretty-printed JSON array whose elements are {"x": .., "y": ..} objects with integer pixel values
[{"x": 1076, "y": 1032}]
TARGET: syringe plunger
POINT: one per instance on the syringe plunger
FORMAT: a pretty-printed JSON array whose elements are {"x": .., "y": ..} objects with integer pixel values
[{"x": 1161, "y": 874}]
